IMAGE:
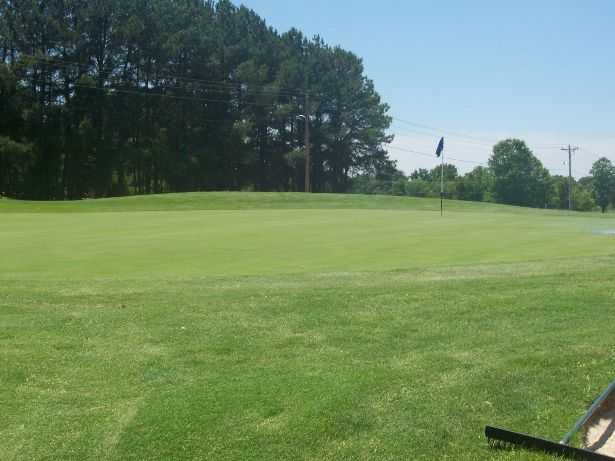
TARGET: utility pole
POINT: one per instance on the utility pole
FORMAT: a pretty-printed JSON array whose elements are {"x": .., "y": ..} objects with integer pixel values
[
  {"x": 308, "y": 183},
  {"x": 570, "y": 150}
]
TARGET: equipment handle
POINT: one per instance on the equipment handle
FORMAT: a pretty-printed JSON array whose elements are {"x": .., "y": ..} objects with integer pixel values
[{"x": 588, "y": 414}]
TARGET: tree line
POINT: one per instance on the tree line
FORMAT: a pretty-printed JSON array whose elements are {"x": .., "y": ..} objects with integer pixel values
[
  {"x": 514, "y": 176},
  {"x": 114, "y": 97}
]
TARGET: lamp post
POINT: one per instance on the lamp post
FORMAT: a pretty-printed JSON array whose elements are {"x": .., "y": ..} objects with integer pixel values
[{"x": 306, "y": 119}]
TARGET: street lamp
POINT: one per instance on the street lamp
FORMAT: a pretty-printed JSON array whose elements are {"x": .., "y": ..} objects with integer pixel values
[{"x": 306, "y": 118}]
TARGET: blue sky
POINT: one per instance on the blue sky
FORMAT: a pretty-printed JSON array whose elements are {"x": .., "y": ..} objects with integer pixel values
[{"x": 478, "y": 71}]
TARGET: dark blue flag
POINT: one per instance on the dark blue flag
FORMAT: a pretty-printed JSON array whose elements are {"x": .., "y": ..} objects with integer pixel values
[{"x": 440, "y": 148}]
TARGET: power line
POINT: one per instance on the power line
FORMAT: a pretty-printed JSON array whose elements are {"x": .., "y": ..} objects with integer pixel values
[
  {"x": 114, "y": 91},
  {"x": 593, "y": 154},
  {"x": 468, "y": 161},
  {"x": 66, "y": 63},
  {"x": 412, "y": 132},
  {"x": 446, "y": 132},
  {"x": 543, "y": 146},
  {"x": 425, "y": 154},
  {"x": 410, "y": 151},
  {"x": 468, "y": 139},
  {"x": 212, "y": 84},
  {"x": 462, "y": 160},
  {"x": 247, "y": 88}
]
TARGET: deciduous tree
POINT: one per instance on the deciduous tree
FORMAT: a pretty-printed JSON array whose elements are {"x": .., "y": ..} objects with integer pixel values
[
  {"x": 519, "y": 177},
  {"x": 603, "y": 182}
]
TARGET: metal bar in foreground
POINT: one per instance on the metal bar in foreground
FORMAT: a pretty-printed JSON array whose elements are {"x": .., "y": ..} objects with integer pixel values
[{"x": 536, "y": 443}]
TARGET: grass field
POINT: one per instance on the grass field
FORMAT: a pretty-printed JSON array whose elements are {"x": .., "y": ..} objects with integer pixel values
[{"x": 282, "y": 326}]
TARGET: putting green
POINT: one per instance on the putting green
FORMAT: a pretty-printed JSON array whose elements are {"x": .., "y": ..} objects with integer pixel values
[{"x": 269, "y": 241}]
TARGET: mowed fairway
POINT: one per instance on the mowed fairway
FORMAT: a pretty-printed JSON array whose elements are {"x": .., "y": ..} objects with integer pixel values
[{"x": 280, "y": 326}]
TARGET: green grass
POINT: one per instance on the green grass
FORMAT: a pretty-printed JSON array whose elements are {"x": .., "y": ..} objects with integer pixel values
[
  {"x": 255, "y": 200},
  {"x": 283, "y": 326}
]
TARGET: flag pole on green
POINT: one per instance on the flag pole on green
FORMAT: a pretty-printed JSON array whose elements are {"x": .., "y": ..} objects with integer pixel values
[{"x": 440, "y": 154}]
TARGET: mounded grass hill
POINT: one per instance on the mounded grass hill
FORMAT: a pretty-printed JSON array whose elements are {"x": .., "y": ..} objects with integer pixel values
[
  {"x": 292, "y": 326},
  {"x": 255, "y": 200}
]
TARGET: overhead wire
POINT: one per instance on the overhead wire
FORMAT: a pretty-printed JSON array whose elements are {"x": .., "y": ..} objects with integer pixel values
[
  {"x": 411, "y": 132},
  {"x": 425, "y": 154},
  {"x": 248, "y": 88},
  {"x": 446, "y": 132},
  {"x": 465, "y": 138},
  {"x": 474, "y": 162},
  {"x": 594, "y": 154},
  {"x": 111, "y": 91},
  {"x": 211, "y": 84}
]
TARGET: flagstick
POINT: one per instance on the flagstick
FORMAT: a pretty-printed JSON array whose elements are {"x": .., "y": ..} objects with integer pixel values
[{"x": 442, "y": 186}]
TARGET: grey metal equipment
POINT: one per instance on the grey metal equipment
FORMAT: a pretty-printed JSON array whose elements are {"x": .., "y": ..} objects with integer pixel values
[{"x": 497, "y": 435}]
